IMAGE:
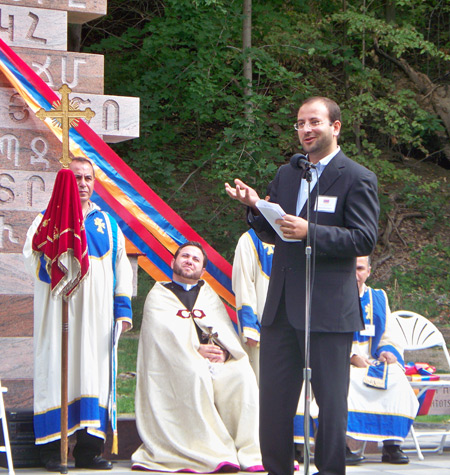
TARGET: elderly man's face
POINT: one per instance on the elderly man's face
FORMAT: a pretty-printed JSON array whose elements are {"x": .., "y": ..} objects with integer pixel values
[
  {"x": 362, "y": 271},
  {"x": 84, "y": 175}
]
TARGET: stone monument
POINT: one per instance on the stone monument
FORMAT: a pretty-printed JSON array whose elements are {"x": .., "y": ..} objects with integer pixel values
[{"x": 36, "y": 30}]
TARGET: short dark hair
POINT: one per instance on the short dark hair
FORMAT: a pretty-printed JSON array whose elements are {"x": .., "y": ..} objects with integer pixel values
[
  {"x": 334, "y": 111},
  {"x": 195, "y": 244}
]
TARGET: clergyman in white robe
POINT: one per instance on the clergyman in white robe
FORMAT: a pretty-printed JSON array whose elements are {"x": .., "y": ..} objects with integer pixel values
[
  {"x": 379, "y": 414},
  {"x": 191, "y": 414},
  {"x": 102, "y": 299},
  {"x": 252, "y": 265}
]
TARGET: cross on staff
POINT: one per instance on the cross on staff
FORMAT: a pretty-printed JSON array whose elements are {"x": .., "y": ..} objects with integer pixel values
[
  {"x": 210, "y": 335},
  {"x": 66, "y": 114}
]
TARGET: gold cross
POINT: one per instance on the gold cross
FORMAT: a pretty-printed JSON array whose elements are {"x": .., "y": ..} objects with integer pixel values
[{"x": 65, "y": 114}]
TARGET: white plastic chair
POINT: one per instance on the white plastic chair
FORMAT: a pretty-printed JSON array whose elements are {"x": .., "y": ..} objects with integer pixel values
[
  {"x": 419, "y": 333},
  {"x": 7, "y": 447}
]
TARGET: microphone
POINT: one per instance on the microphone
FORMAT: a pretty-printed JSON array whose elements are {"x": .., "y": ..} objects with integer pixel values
[{"x": 300, "y": 161}]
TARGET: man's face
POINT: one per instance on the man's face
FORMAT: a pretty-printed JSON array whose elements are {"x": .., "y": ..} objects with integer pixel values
[
  {"x": 318, "y": 137},
  {"x": 84, "y": 175},
  {"x": 188, "y": 266},
  {"x": 362, "y": 271}
]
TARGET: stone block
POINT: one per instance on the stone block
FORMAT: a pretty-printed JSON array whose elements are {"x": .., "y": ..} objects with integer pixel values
[
  {"x": 16, "y": 280},
  {"x": 20, "y": 393},
  {"x": 116, "y": 117},
  {"x": 13, "y": 229},
  {"x": 33, "y": 27},
  {"x": 79, "y": 11},
  {"x": 16, "y": 358},
  {"x": 80, "y": 71},
  {"x": 25, "y": 190},
  {"x": 23, "y": 149},
  {"x": 16, "y": 315}
]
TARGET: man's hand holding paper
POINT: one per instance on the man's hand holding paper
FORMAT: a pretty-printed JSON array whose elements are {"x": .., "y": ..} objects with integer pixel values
[
  {"x": 287, "y": 226},
  {"x": 293, "y": 227}
]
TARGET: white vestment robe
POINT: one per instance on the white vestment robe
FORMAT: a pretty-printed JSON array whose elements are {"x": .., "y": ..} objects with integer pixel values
[
  {"x": 379, "y": 414},
  {"x": 193, "y": 415},
  {"x": 103, "y": 298},
  {"x": 252, "y": 265},
  {"x": 375, "y": 414}
]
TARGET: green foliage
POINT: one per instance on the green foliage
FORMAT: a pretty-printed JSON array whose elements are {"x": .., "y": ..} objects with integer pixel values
[
  {"x": 433, "y": 419},
  {"x": 126, "y": 380},
  {"x": 184, "y": 60},
  {"x": 145, "y": 283},
  {"x": 425, "y": 288}
]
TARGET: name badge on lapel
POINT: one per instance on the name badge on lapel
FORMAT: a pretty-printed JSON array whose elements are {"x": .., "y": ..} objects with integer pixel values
[{"x": 326, "y": 204}]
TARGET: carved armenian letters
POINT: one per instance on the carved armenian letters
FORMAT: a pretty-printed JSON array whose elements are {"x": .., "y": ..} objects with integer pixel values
[{"x": 36, "y": 30}]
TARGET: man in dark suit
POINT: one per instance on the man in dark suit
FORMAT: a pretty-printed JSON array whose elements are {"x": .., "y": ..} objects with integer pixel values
[{"x": 345, "y": 207}]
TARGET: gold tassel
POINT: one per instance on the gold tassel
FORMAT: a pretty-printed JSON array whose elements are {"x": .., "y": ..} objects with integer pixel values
[{"x": 115, "y": 444}]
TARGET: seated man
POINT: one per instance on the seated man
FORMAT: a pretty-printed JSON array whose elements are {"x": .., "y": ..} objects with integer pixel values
[
  {"x": 374, "y": 413},
  {"x": 196, "y": 394}
]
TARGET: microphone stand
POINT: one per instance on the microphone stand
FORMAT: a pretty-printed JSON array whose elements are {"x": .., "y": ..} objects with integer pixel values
[{"x": 307, "y": 369}]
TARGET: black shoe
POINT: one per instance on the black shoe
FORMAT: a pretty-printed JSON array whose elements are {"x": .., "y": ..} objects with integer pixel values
[
  {"x": 352, "y": 458},
  {"x": 53, "y": 465},
  {"x": 298, "y": 455},
  {"x": 97, "y": 463},
  {"x": 394, "y": 454}
]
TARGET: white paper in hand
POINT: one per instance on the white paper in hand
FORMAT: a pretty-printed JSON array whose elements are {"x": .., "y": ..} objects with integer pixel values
[{"x": 272, "y": 212}]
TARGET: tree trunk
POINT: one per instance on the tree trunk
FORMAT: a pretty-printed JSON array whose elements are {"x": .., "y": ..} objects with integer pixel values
[
  {"x": 74, "y": 37},
  {"x": 390, "y": 11},
  {"x": 246, "y": 45},
  {"x": 436, "y": 95}
]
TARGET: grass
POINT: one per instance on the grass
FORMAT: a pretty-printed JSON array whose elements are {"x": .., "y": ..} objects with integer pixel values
[
  {"x": 128, "y": 345},
  {"x": 126, "y": 380},
  {"x": 434, "y": 419}
]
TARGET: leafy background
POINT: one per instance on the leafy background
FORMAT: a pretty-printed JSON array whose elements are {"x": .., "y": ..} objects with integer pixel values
[{"x": 385, "y": 62}]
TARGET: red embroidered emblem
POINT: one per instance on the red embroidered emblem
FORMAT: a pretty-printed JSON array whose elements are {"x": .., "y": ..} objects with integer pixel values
[{"x": 196, "y": 313}]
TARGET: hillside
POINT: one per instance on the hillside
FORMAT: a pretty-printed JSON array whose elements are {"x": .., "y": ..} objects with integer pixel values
[{"x": 412, "y": 256}]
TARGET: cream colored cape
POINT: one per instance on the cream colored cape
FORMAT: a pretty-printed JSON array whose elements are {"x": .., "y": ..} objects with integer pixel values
[{"x": 189, "y": 417}]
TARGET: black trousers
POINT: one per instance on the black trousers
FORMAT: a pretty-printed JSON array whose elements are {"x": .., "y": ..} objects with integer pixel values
[
  {"x": 86, "y": 448},
  {"x": 281, "y": 378}
]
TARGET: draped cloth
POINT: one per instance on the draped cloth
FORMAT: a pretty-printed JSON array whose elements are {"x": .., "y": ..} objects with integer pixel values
[
  {"x": 193, "y": 415},
  {"x": 61, "y": 236}
]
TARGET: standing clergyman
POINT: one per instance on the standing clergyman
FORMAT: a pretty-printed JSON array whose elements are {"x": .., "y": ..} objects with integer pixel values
[{"x": 101, "y": 302}]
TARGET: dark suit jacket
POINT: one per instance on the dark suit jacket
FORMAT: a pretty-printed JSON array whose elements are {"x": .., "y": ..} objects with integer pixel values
[{"x": 337, "y": 239}]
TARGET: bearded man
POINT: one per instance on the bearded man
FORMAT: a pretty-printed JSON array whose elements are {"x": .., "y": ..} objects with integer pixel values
[{"x": 196, "y": 394}]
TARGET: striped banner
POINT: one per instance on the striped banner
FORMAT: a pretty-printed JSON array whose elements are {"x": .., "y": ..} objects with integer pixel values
[{"x": 152, "y": 227}]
